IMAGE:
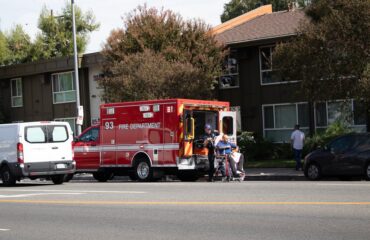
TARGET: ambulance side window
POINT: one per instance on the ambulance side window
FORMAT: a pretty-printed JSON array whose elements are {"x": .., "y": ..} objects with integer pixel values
[{"x": 228, "y": 125}]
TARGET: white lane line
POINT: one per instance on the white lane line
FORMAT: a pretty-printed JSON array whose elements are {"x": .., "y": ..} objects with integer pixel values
[
  {"x": 4, "y": 229},
  {"x": 344, "y": 184},
  {"x": 36, "y": 194},
  {"x": 70, "y": 191}
]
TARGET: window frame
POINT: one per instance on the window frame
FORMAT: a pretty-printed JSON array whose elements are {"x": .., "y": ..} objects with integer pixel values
[
  {"x": 270, "y": 70},
  {"x": 352, "y": 104},
  {"x": 17, "y": 91},
  {"x": 274, "y": 118},
  {"x": 227, "y": 73},
  {"x": 69, "y": 91}
]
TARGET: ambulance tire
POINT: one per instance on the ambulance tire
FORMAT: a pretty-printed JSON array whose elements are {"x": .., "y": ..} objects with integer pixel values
[
  {"x": 188, "y": 176},
  {"x": 102, "y": 176},
  {"x": 143, "y": 170}
]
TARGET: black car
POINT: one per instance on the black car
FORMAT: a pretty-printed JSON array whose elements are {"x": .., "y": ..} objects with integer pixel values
[{"x": 345, "y": 157}]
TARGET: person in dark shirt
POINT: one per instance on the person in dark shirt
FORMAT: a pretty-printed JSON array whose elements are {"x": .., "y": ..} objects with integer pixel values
[{"x": 209, "y": 137}]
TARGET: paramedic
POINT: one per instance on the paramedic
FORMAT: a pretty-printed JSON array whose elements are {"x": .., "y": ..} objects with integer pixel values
[{"x": 209, "y": 137}]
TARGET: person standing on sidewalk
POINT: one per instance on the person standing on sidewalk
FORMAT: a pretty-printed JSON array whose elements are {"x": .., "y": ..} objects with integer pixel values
[
  {"x": 297, "y": 142},
  {"x": 209, "y": 143}
]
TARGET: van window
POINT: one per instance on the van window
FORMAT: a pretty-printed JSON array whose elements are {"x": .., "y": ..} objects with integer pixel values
[
  {"x": 46, "y": 134},
  {"x": 58, "y": 133},
  {"x": 228, "y": 125},
  {"x": 35, "y": 134}
]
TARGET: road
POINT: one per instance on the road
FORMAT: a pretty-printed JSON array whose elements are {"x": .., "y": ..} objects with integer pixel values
[{"x": 175, "y": 210}]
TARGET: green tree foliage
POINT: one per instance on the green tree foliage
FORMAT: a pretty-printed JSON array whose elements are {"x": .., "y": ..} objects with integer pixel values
[
  {"x": 159, "y": 55},
  {"x": 4, "y": 50},
  {"x": 55, "y": 38},
  {"x": 19, "y": 45},
  {"x": 236, "y": 8},
  {"x": 331, "y": 54},
  {"x": 14, "y": 46}
]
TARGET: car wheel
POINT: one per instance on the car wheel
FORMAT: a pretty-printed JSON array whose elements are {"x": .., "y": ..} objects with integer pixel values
[
  {"x": 68, "y": 177},
  {"x": 7, "y": 177},
  {"x": 367, "y": 172},
  {"x": 313, "y": 172},
  {"x": 143, "y": 171},
  {"x": 188, "y": 176},
  {"x": 102, "y": 176},
  {"x": 57, "y": 179}
]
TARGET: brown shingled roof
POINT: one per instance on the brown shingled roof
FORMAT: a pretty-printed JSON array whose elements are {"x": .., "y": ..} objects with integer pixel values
[{"x": 273, "y": 25}]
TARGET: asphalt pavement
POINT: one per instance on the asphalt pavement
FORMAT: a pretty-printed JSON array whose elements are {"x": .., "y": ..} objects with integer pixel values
[{"x": 177, "y": 210}]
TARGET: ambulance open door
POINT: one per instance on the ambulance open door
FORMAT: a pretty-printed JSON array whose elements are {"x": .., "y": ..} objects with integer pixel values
[{"x": 227, "y": 124}]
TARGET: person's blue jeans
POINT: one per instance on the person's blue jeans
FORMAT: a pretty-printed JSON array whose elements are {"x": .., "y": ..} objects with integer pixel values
[{"x": 297, "y": 158}]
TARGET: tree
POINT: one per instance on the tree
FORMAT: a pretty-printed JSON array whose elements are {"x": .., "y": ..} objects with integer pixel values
[
  {"x": 236, "y": 8},
  {"x": 159, "y": 55},
  {"x": 331, "y": 53},
  {"x": 4, "y": 50},
  {"x": 55, "y": 38},
  {"x": 19, "y": 45}
]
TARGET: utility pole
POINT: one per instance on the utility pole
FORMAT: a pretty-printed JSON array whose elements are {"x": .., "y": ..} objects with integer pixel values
[{"x": 78, "y": 108}]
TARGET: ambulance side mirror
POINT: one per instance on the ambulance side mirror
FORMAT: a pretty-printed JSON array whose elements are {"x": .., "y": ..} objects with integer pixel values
[{"x": 189, "y": 128}]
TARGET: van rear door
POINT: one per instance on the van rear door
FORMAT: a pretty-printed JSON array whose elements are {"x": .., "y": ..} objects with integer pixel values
[{"x": 45, "y": 144}]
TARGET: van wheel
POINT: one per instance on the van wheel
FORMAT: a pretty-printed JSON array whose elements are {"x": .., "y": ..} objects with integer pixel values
[
  {"x": 102, "y": 176},
  {"x": 143, "y": 171},
  {"x": 7, "y": 177},
  {"x": 68, "y": 177},
  {"x": 188, "y": 176},
  {"x": 313, "y": 172},
  {"x": 57, "y": 179},
  {"x": 367, "y": 172}
]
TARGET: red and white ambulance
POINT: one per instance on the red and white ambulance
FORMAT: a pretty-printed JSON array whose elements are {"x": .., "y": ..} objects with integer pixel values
[{"x": 147, "y": 139}]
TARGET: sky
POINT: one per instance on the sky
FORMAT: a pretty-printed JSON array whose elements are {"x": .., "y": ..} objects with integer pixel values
[{"x": 108, "y": 13}]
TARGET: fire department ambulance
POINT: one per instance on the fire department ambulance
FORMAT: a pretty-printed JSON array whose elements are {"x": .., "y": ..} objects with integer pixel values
[{"x": 147, "y": 139}]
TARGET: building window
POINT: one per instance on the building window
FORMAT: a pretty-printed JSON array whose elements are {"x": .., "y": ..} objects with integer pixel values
[
  {"x": 17, "y": 96},
  {"x": 268, "y": 74},
  {"x": 230, "y": 77},
  {"x": 279, "y": 120},
  {"x": 350, "y": 112},
  {"x": 64, "y": 89},
  {"x": 71, "y": 121}
]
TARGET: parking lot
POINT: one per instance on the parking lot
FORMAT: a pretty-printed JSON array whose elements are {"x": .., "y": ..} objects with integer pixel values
[{"x": 176, "y": 210}]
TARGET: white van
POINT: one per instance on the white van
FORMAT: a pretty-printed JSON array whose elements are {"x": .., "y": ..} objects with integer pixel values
[{"x": 36, "y": 150}]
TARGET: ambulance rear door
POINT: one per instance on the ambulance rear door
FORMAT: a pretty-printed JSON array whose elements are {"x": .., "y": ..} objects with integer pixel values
[{"x": 227, "y": 124}]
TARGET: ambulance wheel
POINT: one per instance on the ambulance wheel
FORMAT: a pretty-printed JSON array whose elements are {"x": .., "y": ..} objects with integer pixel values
[
  {"x": 57, "y": 179},
  {"x": 188, "y": 176},
  {"x": 7, "y": 177},
  {"x": 143, "y": 170},
  {"x": 102, "y": 176}
]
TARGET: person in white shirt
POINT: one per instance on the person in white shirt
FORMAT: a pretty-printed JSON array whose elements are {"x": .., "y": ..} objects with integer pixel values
[{"x": 297, "y": 141}]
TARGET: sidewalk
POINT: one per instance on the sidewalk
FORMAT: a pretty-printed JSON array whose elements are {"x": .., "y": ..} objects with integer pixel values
[{"x": 274, "y": 174}]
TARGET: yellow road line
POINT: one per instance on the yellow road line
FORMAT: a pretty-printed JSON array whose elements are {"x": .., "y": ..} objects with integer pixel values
[{"x": 71, "y": 202}]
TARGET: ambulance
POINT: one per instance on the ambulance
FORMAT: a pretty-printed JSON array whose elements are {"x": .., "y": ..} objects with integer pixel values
[{"x": 148, "y": 139}]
